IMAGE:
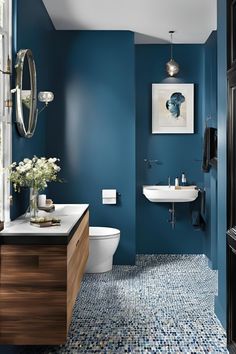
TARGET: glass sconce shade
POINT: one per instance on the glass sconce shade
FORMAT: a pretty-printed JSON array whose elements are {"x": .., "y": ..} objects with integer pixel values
[
  {"x": 46, "y": 96},
  {"x": 172, "y": 67}
]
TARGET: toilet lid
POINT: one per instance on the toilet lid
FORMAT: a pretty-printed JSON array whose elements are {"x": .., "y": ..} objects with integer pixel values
[{"x": 97, "y": 231}]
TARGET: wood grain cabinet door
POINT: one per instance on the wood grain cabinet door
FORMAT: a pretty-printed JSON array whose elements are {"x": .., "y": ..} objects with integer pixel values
[{"x": 77, "y": 255}]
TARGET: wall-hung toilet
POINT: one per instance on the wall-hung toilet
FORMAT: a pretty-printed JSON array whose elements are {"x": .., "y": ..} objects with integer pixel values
[{"x": 103, "y": 242}]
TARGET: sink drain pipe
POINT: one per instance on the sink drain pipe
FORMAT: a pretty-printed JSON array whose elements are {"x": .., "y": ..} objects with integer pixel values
[{"x": 172, "y": 219}]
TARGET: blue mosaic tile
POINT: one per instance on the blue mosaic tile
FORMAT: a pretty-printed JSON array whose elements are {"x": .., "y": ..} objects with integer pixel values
[{"x": 164, "y": 304}]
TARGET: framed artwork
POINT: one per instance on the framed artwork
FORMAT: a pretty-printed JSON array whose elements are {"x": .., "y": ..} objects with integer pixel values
[{"x": 172, "y": 108}]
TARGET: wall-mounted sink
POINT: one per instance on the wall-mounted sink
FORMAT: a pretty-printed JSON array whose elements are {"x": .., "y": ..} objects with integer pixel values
[{"x": 166, "y": 194}]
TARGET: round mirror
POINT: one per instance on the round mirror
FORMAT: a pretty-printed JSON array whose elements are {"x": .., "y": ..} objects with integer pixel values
[{"x": 26, "y": 93}]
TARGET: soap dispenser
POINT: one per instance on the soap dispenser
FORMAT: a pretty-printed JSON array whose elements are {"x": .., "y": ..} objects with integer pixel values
[
  {"x": 183, "y": 179},
  {"x": 176, "y": 181}
]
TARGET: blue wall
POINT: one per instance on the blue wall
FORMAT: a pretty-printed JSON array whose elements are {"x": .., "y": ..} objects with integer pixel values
[
  {"x": 220, "y": 303},
  {"x": 32, "y": 28},
  {"x": 95, "y": 105},
  {"x": 92, "y": 127},
  {"x": 176, "y": 152},
  {"x": 210, "y": 179}
]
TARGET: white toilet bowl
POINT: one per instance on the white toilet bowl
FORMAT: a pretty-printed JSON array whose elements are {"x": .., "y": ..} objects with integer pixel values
[{"x": 103, "y": 242}]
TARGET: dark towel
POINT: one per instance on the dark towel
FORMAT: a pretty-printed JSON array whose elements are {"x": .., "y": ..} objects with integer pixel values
[
  {"x": 198, "y": 211},
  {"x": 209, "y": 147},
  {"x": 196, "y": 219}
]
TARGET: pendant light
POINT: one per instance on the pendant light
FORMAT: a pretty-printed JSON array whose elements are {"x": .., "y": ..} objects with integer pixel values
[{"x": 172, "y": 67}]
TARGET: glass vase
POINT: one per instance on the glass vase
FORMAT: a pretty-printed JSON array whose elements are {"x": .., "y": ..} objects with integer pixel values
[{"x": 33, "y": 205}]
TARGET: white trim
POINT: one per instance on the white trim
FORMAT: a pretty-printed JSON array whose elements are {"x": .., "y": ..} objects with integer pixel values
[{"x": 6, "y": 120}]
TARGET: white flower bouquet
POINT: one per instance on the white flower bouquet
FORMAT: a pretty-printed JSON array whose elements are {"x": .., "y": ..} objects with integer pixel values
[{"x": 34, "y": 173}]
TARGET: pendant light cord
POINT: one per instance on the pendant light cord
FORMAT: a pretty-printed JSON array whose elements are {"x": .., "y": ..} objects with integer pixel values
[{"x": 171, "y": 43}]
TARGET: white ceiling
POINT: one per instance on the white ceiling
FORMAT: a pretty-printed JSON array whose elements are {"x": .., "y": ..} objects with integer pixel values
[{"x": 151, "y": 20}]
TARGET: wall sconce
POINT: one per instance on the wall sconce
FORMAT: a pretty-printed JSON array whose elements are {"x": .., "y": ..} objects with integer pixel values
[
  {"x": 45, "y": 97},
  {"x": 172, "y": 67}
]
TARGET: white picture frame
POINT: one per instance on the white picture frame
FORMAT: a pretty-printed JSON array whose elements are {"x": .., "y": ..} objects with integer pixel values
[{"x": 172, "y": 108}]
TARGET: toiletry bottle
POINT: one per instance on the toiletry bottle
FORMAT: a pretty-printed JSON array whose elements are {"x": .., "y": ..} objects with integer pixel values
[
  {"x": 176, "y": 181},
  {"x": 183, "y": 179}
]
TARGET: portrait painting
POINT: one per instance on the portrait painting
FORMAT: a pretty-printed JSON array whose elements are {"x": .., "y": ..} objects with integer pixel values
[{"x": 172, "y": 108}]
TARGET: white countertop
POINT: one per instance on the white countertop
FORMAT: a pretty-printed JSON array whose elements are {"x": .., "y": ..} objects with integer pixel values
[{"x": 68, "y": 213}]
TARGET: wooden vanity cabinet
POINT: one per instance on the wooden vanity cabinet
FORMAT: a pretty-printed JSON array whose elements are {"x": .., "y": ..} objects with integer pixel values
[{"x": 38, "y": 288}]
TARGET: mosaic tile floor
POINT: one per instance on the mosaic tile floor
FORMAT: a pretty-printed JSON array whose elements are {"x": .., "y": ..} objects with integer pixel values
[{"x": 164, "y": 304}]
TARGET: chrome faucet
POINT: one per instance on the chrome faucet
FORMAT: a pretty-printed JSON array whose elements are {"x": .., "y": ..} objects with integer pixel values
[{"x": 169, "y": 181}]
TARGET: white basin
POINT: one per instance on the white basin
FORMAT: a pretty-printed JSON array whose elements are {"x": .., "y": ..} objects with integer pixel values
[{"x": 164, "y": 194}]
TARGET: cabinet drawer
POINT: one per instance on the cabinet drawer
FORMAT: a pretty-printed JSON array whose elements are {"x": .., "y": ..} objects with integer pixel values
[
  {"x": 33, "y": 293},
  {"x": 32, "y": 267}
]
